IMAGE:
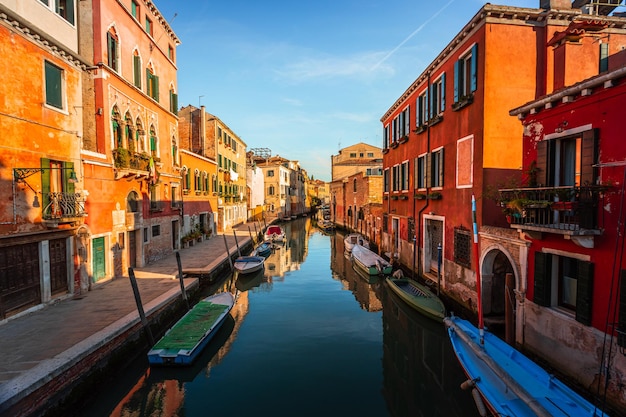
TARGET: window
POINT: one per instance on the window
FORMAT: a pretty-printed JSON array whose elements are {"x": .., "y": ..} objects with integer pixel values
[
  {"x": 361, "y": 154},
  {"x": 436, "y": 168},
  {"x": 134, "y": 9},
  {"x": 148, "y": 26},
  {"x": 354, "y": 185},
  {"x": 153, "y": 143},
  {"x": 462, "y": 247},
  {"x": 64, "y": 8},
  {"x": 146, "y": 235},
  {"x": 421, "y": 111},
  {"x": 386, "y": 137},
  {"x": 173, "y": 102},
  {"x": 137, "y": 69},
  {"x": 404, "y": 176},
  {"x": 396, "y": 178},
  {"x": 604, "y": 57},
  {"x": 174, "y": 196},
  {"x": 370, "y": 154},
  {"x": 270, "y": 173},
  {"x": 112, "y": 50},
  {"x": 465, "y": 76},
  {"x": 156, "y": 230},
  {"x": 564, "y": 282},
  {"x": 152, "y": 84},
  {"x": 197, "y": 183},
  {"x": 186, "y": 180},
  {"x": 129, "y": 134},
  {"x": 170, "y": 52},
  {"x": 271, "y": 190},
  {"x": 404, "y": 126},
  {"x": 420, "y": 172},
  {"x": 437, "y": 97},
  {"x": 352, "y": 154},
  {"x": 174, "y": 152},
  {"x": 116, "y": 125},
  {"x": 54, "y": 85},
  {"x": 386, "y": 180},
  {"x": 132, "y": 202}
]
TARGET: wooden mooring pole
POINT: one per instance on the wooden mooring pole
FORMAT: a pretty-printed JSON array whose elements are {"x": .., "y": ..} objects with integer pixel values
[
  {"x": 142, "y": 314},
  {"x": 180, "y": 278},
  {"x": 236, "y": 243},
  {"x": 230, "y": 261}
]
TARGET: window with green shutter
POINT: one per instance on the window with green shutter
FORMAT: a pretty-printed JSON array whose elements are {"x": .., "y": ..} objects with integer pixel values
[
  {"x": 54, "y": 85},
  {"x": 542, "y": 284},
  {"x": 137, "y": 70},
  {"x": 584, "y": 292},
  {"x": 173, "y": 102}
]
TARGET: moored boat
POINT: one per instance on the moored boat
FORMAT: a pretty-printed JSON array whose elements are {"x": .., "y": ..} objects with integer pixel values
[
  {"x": 264, "y": 249},
  {"x": 275, "y": 233},
  {"x": 188, "y": 337},
  {"x": 418, "y": 296},
  {"x": 249, "y": 264},
  {"x": 501, "y": 378},
  {"x": 370, "y": 262},
  {"x": 353, "y": 239}
]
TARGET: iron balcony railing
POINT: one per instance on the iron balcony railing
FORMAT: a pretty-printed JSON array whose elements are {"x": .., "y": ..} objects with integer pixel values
[
  {"x": 64, "y": 206},
  {"x": 571, "y": 210}
]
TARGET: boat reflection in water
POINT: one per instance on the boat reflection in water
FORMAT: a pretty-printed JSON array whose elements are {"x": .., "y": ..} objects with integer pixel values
[{"x": 421, "y": 374}]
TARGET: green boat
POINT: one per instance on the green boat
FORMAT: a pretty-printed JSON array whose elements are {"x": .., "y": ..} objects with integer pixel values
[{"x": 418, "y": 296}]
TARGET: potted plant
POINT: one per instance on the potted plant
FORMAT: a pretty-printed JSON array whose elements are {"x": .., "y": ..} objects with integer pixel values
[
  {"x": 435, "y": 195},
  {"x": 420, "y": 196}
]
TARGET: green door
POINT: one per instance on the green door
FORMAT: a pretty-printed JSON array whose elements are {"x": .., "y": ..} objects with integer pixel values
[{"x": 99, "y": 265}]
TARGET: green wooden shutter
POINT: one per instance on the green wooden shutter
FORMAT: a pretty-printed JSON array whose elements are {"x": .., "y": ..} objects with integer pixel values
[
  {"x": 175, "y": 103},
  {"x": 457, "y": 82},
  {"x": 431, "y": 110},
  {"x": 418, "y": 112},
  {"x": 45, "y": 182},
  {"x": 542, "y": 279},
  {"x": 155, "y": 79},
  {"x": 474, "y": 69},
  {"x": 584, "y": 292},
  {"x": 428, "y": 158},
  {"x": 441, "y": 166},
  {"x": 137, "y": 70},
  {"x": 148, "y": 82},
  {"x": 621, "y": 326}
]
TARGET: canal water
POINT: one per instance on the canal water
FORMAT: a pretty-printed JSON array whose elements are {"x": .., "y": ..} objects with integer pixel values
[{"x": 309, "y": 336}]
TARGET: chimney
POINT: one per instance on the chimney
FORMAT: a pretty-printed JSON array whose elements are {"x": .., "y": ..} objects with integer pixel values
[{"x": 555, "y": 4}]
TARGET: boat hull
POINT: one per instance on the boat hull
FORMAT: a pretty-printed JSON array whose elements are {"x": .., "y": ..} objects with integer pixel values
[
  {"x": 419, "y": 297},
  {"x": 509, "y": 382},
  {"x": 182, "y": 344},
  {"x": 249, "y": 264},
  {"x": 369, "y": 262},
  {"x": 264, "y": 249},
  {"x": 354, "y": 239}
]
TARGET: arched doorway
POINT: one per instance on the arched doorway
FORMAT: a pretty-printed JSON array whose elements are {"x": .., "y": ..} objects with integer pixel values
[{"x": 495, "y": 295}]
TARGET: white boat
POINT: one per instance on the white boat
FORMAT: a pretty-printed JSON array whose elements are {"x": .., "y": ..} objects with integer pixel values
[
  {"x": 275, "y": 234},
  {"x": 370, "y": 262},
  {"x": 353, "y": 239},
  {"x": 249, "y": 264}
]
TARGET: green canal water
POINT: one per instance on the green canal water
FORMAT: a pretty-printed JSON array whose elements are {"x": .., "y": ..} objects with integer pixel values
[{"x": 309, "y": 336}]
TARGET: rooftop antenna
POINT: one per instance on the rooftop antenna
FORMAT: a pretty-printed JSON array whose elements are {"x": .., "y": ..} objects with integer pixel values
[{"x": 200, "y": 100}]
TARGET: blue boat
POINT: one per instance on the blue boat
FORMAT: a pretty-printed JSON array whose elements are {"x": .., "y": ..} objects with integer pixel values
[
  {"x": 509, "y": 383},
  {"x": 264, "y": 249},
  {"x": 501, "y": 378},
  {"x": 188, "y": 337}
]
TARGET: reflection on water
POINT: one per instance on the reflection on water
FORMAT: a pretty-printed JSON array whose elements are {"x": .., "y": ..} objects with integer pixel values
[
  {"x": 421, "y": 373},
  {"x": 298, "y": 344}
]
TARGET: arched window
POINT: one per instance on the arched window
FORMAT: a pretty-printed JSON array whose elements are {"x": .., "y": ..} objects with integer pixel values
[
  {"x": 354, "y": 185},
  {"x": 174, "y": 151},
  {"x": 132, "y": 202},
  {"x": 214, "y": 181},
  {"x": 186, "y": 179},
  {"x": 140, "y": 136},
  {"x": 152, "y": 84},
  {"x": 113, "y": 50},
  {"x": 137, "y": 69},
  {"x": 197, "y": 185},
  {"x": 205, "y": 182},
  {"x": 129, "y": 134},
  {"x": 116, "y": 122},
  {"x": 271, "y": 190},
  {"x": 153, "y": 143}
]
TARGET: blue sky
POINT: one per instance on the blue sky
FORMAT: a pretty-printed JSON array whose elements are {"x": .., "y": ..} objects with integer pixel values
[{"x": 307, "y": 78}]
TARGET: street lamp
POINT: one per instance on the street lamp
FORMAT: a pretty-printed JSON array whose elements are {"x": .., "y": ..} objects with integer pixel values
[{"x": 20, "y": 175}]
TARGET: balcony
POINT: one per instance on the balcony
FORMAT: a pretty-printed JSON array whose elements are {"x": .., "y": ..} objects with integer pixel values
[
  {"x": 63, "y": 208},
  {"x": 568, "y": 211},
  {"x": 157, "y": 206},
  {"x": 128, "y": 163}
]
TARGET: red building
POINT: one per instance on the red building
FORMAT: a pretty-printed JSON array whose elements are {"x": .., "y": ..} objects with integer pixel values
[{"x": 573, "y": 221}]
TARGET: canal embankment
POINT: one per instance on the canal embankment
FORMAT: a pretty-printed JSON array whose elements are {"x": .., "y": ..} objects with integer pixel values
[{"x": 54, "y": 356}]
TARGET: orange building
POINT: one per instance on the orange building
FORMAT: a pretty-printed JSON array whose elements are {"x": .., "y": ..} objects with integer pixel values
[
  {"x": 44, "y": 203},
  {"x": 131, "y": 161}
]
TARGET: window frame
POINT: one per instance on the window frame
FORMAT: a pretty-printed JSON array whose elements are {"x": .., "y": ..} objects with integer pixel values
[{"x": 56, "y": 85}]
